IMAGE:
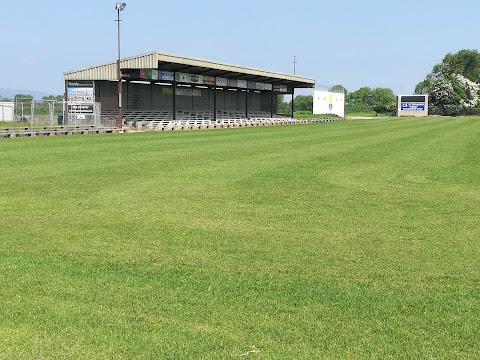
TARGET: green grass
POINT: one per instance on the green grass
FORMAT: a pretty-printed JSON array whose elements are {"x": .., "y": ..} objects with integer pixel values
[
  {"x": 360, "y": 114},
  {"x": 351, "y": 239},
  {"x": 10, "y": 124},
  {"x": 21, "y": 124}
]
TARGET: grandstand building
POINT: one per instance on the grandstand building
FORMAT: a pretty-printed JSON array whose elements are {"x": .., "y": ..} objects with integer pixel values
[{"x": 160, "y": 88}]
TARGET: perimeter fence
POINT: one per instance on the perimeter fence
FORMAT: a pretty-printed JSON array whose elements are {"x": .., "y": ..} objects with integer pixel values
[{"x": 51, "y": 112}]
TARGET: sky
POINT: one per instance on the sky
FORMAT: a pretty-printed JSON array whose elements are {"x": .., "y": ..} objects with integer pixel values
[{"x": 392, "y": 44}]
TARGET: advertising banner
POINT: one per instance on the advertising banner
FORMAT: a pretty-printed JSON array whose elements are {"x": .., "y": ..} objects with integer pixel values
[
  {"x": 80, "y": 90},
  {"x": 165, "y": 75},
  {"x": 80, "y": 83},
  {"x": 183, "y": 77},
  {"x": 280, "y": 88},
  {"x": 232, "y": 83},
  {"x": 412, "y": 106},
  {"x": 222, "y": 81},
  {"x": 196, "y": 79},
  {"x": 188, "y": 92},
  {"x": 80, "y": 109},
  {"x": 208, "y": 80},
  {"x": 189, "y": 78},
  {"x": 152, "y": 74},
  {"x": 242, "y": 84},
  {"x": 263, "y": 86}
]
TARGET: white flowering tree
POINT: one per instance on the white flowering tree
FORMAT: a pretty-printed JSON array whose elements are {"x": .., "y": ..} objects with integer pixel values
[{"x": 454, "y": 84}]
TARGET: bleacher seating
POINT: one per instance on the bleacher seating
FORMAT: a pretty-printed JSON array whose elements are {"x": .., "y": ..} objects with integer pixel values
[{"x": 201, "y": 119}]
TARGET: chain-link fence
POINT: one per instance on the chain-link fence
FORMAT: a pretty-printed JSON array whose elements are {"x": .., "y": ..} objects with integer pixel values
[
  {"x": 82, "y": 113},
  {"x": 51, "y": 112}
]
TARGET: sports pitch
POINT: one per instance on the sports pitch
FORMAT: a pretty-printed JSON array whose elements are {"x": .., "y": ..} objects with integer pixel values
[{"x": 351, "y": 239}]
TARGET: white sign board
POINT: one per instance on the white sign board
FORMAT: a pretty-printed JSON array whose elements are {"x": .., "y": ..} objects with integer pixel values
[{"x": 325, "y": 102}]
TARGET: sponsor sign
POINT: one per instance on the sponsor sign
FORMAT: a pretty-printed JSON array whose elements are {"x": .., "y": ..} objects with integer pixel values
[
  {"x": 79, "y": 94},
  {"x": 280, "y": 88},
  {"x": 165, "y": 75},
  {"x": 232, "y": 83},
  {"x": 80, "y": 83},
  {"x": 167, "y": 91},
  {"x": 182, "y": 77},
  {"x": 188, "y": 92},
  {"x": 196, "y": 79},
  {"x": 242, "y": 84},
  {"x": 208, "y": 80},
  {"x": 189, "y": 78},
  {"x": 408, "y": 106},
  {"x": 80, "y": 109},
  {"x": 143, "y": 73},
  {"x": 152, "y": 74},
  {"x": 222, "y": 81},
  {"x": 263, "y": 86},
  {"x": 80, "y": 90}
]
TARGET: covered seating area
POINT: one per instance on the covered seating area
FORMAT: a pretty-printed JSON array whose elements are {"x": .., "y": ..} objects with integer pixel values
[{"x": 160, "y": 88}]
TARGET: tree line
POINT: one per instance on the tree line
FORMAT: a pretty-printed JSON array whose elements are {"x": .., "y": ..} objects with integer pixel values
[
  {"x": 453, "y": 89},
  {"x": 42, "y": 107}
]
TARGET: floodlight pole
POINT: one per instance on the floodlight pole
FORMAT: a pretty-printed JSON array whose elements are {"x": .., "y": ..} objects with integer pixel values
[{"x": 119, "y": 7}]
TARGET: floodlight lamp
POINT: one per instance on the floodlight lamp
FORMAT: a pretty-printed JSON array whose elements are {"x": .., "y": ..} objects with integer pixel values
[{"x": 120, "y": 6}]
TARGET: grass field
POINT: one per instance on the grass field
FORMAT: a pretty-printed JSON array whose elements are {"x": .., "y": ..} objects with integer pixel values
[{"x": 350, "y": 239}]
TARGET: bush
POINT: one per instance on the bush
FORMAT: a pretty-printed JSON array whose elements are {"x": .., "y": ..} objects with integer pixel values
[{"x": 453, "y": 110}]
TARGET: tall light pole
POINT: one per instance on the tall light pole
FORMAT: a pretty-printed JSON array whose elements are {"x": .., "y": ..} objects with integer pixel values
[{"x": 119, "y": 7}]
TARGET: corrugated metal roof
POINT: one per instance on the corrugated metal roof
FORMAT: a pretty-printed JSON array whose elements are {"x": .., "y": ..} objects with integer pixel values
[{"x": 154, "y": 60}]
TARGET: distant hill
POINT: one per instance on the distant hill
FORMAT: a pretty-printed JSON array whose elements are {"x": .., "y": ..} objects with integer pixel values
[{"x": 10, "y": 93}]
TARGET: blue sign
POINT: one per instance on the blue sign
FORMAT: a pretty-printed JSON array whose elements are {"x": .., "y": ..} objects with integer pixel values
[
  {"x": 412, "y": 106},
  {"x": 165, "y": 75}
]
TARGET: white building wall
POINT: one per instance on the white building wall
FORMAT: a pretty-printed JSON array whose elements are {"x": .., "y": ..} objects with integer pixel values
[
  {"x": 325, "y": 102},
  {"x": 7, "y": 111}
]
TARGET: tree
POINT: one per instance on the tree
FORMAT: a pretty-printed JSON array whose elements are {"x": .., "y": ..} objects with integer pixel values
[
  {"x": 453, "y": 85},
  {"x": 339, "y": 89},
  {"x": 383, "y": 100},
  {"x": 23, "y": 98},
  {"x": 303, "y": 103},
  {"x": 362, "y": 96},
  {"x": 365, "y": 99},
  {"x": 53, "y": 97},
  {"x": 282, "y": 106}
]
